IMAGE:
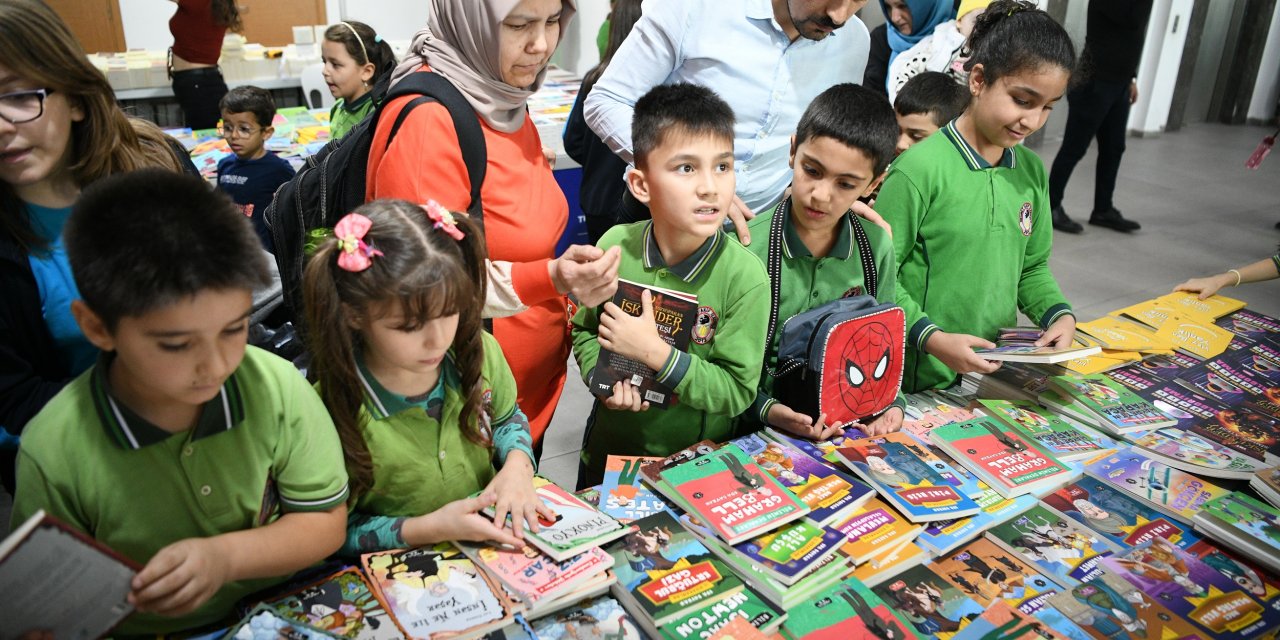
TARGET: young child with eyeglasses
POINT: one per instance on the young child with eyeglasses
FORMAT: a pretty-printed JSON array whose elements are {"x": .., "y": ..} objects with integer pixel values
[{"x": 253, "y": 174}]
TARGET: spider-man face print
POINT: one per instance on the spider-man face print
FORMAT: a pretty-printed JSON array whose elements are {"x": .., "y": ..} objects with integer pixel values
[{"x": 863, "y": 377}]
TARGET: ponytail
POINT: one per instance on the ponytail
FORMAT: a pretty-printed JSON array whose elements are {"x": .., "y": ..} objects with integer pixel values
[{"x": 1012, "y": 36}]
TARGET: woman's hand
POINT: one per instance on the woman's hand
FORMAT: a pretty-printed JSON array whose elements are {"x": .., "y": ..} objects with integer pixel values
[
  {"x": 514, "y": 493},
  {"x": 1206, "y": 287},
  {"x": 587, "y": 272},
  {"x": 956, "y": 351}
]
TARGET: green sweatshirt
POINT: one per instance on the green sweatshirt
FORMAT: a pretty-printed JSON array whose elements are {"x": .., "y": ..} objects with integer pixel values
[
  {"x": 809, "y": 282},
  {"x": 716, "y": 379},
  {"x": 972, "y": 243},
  {"x": 343, "y": 116}
]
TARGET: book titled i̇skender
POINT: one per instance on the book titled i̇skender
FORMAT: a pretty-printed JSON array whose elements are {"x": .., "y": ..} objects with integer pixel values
[{"x": 674, "y": 313}]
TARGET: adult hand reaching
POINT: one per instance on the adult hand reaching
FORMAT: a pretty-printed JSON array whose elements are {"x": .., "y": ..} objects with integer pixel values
[{"x": 587, "y": 272}]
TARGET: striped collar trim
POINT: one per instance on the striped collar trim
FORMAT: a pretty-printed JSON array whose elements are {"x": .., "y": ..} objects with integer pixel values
[
  {"x": 688, "y": 269},
  {"x": 793, "y": 246},
  {"x": 131, "y": 431},
  {"x": 971, "y": 156},
  {"x": 381, "y": 403}
]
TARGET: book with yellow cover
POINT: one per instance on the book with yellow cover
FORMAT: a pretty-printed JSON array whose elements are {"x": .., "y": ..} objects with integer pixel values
[
  {"x": 1122, "y": 335},
  {"x": 1195, "y": 335},
  {"x": 1152, "y": 313},
  {"x": 1105, "y": 361},
  {"x": 1214, "y": 306}
]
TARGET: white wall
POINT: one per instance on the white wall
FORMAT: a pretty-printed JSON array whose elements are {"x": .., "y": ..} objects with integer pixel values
[
  {"x": 1265, "y": 92},
  {"x": 146, "y": 23},
  {"x": 391, "y": 19},
  {"x": 1161, "y": 58}
]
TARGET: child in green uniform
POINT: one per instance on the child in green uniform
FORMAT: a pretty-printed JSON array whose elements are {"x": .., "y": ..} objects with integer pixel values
[
  {"x": 422, "y": 396},
  {"x": 354, "y": 58},
  {"x": 214, "y": 465},
  {"x": 926, "y": 103},
  {"x": 844, "y": 140},
  {"x": 969, "y": 208},
  {"x": 684, "y": 171}
]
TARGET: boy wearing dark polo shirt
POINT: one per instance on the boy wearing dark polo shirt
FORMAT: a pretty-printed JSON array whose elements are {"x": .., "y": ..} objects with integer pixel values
[{"x": 252, "y": 174}]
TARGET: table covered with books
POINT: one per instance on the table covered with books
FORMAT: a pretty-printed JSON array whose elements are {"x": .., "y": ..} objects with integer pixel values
[{"x": 1131, "y": 493}]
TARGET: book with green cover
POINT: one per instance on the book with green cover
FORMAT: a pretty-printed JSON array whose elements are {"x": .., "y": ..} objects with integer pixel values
[
  {"x": 1009, "y": 462},
  {"x": 1059, "y": 547},
  {"x": 847, "y": 610},
  {"x": 1244, "y": 524},
  {"x": 1056, "y": 435},
  {"x": 787, "y": 553},
  {"x": 1120, "y": 409},
  {"x": 745, "y": 604}
]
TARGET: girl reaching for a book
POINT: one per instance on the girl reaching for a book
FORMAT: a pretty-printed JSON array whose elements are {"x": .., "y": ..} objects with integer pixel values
[
  {"x": 1264, "y": 269},
  {"x": 423, "y": 399}
]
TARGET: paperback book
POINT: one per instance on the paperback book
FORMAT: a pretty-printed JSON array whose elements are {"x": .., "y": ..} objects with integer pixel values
[
  {"x": 1174, "y": 492},
  {"x": 436, "y": 592},
  {"x": 746, "y": 605},
  {"x": 1056, "y": 545},
  {"x": 1118, "y": 334},
  {"x": 1007, "y": 461},
  {"x": 1243, "y": 524},
  {"x": 1236, "y": 386},
  {"x": 1119, "y": 409},
  {"x": 873, "y": 531},
  {"x": 935, "y": 607},
  {"x": 265, "y": 623},
  {"x": 820, "y": 450},
  {"x": 622, "y": 495},
  {"x": 1212, "y": 307},
  {"x": 894, "y": 467},
  {"x": 577, "y": 525},
  {"x": 1210, "y": 420},
  {"x": 1266, "y": 482},
  {"x": 848, "y": 610},
  {"x": 1188, "y": 451},
  {"x": 926, "y": 411},
  {"x": 1002, "y": 620},
  {"x": 1250, "y": 325},
  {"x": 674, "y": 313},
  {"x": 600, "y": 617},
  {"x": 883, "y": 568},
  {"x": 829, "y": 493},
  {"x": 652, "y": 471},
  {"x": 1034, "y": 354},
  {"x": 1058, "y": 437},
  {"x": 532, "y": 576},
  {"x": 786, "y": 554},
  {"x": 1116, "y": 515},
  {"x": 342, "y": 604},
  {"x": 1261, "y": 360},
  {"x": 1109, "y": 608},
  {"x": 1197, "y": 336},
  {"x": 989, "y": 573},
  {"x": 1012, "y": 381},
  {"x": 942, "y": 536}
]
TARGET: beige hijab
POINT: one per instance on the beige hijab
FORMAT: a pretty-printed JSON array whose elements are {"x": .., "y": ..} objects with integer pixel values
[{"x": 460, "y": 42}]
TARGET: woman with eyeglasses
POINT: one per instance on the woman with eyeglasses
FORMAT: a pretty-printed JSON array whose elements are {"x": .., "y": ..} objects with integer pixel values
[{"x": 60, "y": 129}]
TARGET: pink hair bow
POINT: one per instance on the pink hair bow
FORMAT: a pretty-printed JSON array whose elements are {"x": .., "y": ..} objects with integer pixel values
[
  {"x": 353, "y": 253},
  {"x": 443, "y": 220}
]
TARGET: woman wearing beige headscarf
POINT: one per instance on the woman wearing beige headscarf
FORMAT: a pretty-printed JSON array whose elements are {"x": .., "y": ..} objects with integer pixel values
[{"x": 496, "y": 53}]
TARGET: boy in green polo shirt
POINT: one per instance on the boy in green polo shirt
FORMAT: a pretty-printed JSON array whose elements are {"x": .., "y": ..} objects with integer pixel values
[
  {"x": 683, "y": 138},
  {"x": 844, "y": 140},
  {"x": 213, "y": 465}
]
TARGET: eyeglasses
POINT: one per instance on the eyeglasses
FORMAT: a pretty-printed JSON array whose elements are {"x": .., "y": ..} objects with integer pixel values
[
  {"x": 236, "y": 132},
  {"x": 23, "y": 106}
]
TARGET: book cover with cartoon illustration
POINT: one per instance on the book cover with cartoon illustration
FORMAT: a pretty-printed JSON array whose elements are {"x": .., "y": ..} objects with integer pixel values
[
  {"x": 1261, "y": 360},
  {"x": 745, "y": 605},
  {"x": 534, "y": 576},
  {"x": 1121, "y": 518},
  {"x": 1193, "y": 590},
  {"x": 577, "y": 526},
  {"x": 1119, "y": 408},
  {"x": 622, "y": 494},
  {"x": 874, "y": 530},
  {"x": 600, "y": 617},
  {"x": 265, "y": 623},
  {"x": 1110, "y": 608},
  {"x": 1206, "y": 418},
  {"x": 935, "y": 607},
  {"x": 1267, "y": 483},
  {"x": 828, "y": 492},
  {"x": 893, "y": 465},
  {"x": 732, "y": 494},
  {"x": 1244, "y": 524},
  {"x": 1174, "y": 492},
  {"x": 1057, "y": 436},
  {"x": 1056, "y": 545},
  {"x": 435, "y": 592},
  {"x": 1261, "y": 584},
  {"x": 1250, "y": 325},
  {"x": 847, "y": 611},
  {"x": 1234, "y": 385},
  {"x": 1001, "y": 620},
  {"x": 989, "y": 573},
  {"x": 879, "y": 570},
  {"x": 1036, "y": 604},
  {"x": 1009, "y": 462},
  {"x": 674, "y": 314},
  {"x": 787, "y": 553},
  {"x": 926, "y": 411},
  {"x": 342, "y": 604},
  {"x": 820, "y": 450},
  {"x": 1189, "y": 452},
  {"x": 665, "y": 572},
  {"x": 942, "y": 536}
]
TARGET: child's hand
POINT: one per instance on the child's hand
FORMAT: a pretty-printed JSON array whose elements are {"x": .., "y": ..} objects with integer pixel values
[
  {"x": 634, "y": 337},
  {"x": 1060, "y": 334},
  {"x": 1206, "y": 287},
  {"x": 783, "y": 417},
  {"x": 180, "y": 577},
  {"x": 459, "y": 520},
  {"x": 626, "y": 398},
  {"x": 956, "y": 351},
  {"x": 513, "y": 488},
  {"x": 885, "y": 423}
]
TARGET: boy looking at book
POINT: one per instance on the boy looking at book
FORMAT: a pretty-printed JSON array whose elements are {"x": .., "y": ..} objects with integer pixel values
[
  {"x": 845, "y": 139},
  {"x": 926, "y": 103},
  {"x": 214, "y": 465},
  {"x": 683, "y": 141},
  {"x": 251, "y": 174}
]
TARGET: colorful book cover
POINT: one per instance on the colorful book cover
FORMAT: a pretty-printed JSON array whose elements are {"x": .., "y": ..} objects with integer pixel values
[
  {"x": 847, "y": 611},
  {"x": 1173, "y": 491},
  {"x": 935, "y": 607},
  {"x": 667, "y": 571},
  {"x": 1122, "y": 335},
  {"x": 1001, "y": 620},
  {"x": 652, "y": 471},
  {"x": 1110, "y": 608},
  {"x": 1101, "y": 362},
  {"x": 1199, "y": 337},
  {"x": 1234, "y": 386},
  {"x": 942, "y": 536},
  {"x": 745, "y": 605},
  {"x": 1119, "y": 407},
  {"x": 533, "y": 575},
  {"x": 1135, "y": 378},
  {"x": 1262, "y": 585},
  {"x": 1166, "y": 366},
  {"x": 736, "y": 628},
  {"x": 880, "y": 569},
  {"x": 1205, "y": 417},
  {"x": 434, "y": 592},
  {"x": 1010, "y": 463},
  {"x": 1188, "y": 451},
  {"x": 827, "y": 492},
  {"x": 875, "y": 529},
  {"x": 790, "y": 552},
  {"x": 1036, "y": 605},
  {"x": 577, "y": 526},
  {"x": 1056, "y": 435},
  {"x": 989, "y": 573},
  {"x": 1057, "y": 546},
  {"x": 1122, "y": 519},
  {"x": 1250, "y": 325},
  {"x": 926, "y": 411},
  {"x": 674, "y": 314},
  {"x": 600, "y": 617},
  {"x": 1212, "y": 307},
  {"x": 265, "y": 623},
  {"x": 1192, "y": 589},
  {"x": 1248, "y": 518},
  {"x": 894, "y": 467},
  {"x": 622, "y": 494},
  {"x": 1261, "y": 360},
  {"x": 733, "y": 495},
  {"x": 341, "y": 604},
  {"x": 820, "y": 450},
  {"x": 955, "y": 475}
]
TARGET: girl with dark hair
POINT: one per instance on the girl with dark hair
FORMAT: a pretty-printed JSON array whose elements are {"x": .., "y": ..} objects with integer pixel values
[
  {"x": 423, "y": 399},
  {"x": 198, "y": 27},
  {"x": 970, "y": 212},
  {"x": 355, "y": 59}
]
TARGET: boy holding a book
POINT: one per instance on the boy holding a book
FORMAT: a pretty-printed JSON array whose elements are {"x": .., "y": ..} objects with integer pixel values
[
  {"x": 844, "y": 140},
  {"x": 212, "y": 464},
  {"x": 683, "y": 139}
]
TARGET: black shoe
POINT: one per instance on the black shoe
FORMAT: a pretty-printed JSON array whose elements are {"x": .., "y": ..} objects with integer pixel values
[
  {"x": 1111, "y": 219},
  {"x": 1062, "y": 222},
  {"x": 1278, "y": 225}
]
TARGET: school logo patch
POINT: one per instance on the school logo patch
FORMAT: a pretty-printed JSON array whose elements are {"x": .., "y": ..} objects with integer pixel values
[
  {"x": 1024, "y": 218},
  {"x": 855, "y": 291},
  {"x": 704, "y": 327}
]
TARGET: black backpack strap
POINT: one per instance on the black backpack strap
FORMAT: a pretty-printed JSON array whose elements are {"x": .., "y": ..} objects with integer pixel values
[
  {"x": 869, "y": 271},
  {"x": 430, "y": 86},
  {"x": 773, "y": 265}
]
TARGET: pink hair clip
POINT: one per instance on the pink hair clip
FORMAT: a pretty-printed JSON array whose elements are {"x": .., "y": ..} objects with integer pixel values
[
  {"x": 443, "y": 220},
  {"x": 354, "y": 254}
]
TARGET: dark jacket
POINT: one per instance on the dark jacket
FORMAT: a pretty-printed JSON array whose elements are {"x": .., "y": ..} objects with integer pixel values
[
  {"x": 1113, "y": 42},
  {"x": 876, "y": 77},
  {"x": 31, "y": 370},
  {"x": 602, "y": 171}
]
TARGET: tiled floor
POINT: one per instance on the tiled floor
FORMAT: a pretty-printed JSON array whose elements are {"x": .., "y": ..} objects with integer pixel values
[{"x": 1202, "y": 212}]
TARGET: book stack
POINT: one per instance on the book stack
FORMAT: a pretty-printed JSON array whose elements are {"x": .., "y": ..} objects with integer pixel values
[
  {"x": 1173, "y": 492},
  {"x": 622, "y": 494},
  {"x": 1243, "y": 524},
  {"x": 1267, "y": 483},
  {"x": 1063, "y": 440},
  {"x": 1056, "y": 545},
  {"x": 829, "y": 494},
  {"x": 1009, "y": 462},
  {"x": 538, "y": 583},
  {"x": 1018, "y": 344},
  {"x": 578, "y": 526},
  {"x": 910, "y": 479},
  {"x": 1118, "y": 516},
  {"x": 942, "y": 536},
  {"x": 437, "y": 592},
  {"x": 1114, "y": 408}
]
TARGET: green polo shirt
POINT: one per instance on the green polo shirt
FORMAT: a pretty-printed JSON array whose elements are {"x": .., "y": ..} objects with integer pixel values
[
  {"x": 344, "y": 115},
  {"x": 809, "y": 282},
  {"x": 263, "y": 445},
  {"x": 716, "y": 379},
  {"x": 972, "y": 242}
]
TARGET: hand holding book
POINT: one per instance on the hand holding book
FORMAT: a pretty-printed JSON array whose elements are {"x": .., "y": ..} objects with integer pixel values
[
  {"x": 634, "y": 337},
  {"x": 956, "y": 351},
  {"x": 458, "y": 520},
  {"x": 181, "y": 577},
  {"x": 514, "y": 495}
]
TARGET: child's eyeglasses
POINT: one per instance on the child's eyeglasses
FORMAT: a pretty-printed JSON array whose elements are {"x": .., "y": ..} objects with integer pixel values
[
  {"x": 23, "y": 106},
  {"x": 236, "y": 132}
]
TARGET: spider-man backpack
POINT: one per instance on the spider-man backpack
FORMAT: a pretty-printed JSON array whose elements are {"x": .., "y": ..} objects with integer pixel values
[{"x": 843, "y": 358}]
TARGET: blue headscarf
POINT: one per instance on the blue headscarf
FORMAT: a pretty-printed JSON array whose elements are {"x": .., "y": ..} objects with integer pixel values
[{"x": 925, "y": 15}]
